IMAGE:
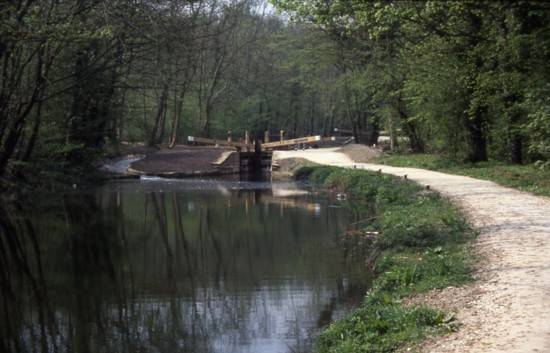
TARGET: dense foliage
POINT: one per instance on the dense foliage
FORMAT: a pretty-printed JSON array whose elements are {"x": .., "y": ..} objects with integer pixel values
[
  {"x": 422, "y": 244},
  {"x": 467, "y": 78},
  {"x": 82, "y": 78}
]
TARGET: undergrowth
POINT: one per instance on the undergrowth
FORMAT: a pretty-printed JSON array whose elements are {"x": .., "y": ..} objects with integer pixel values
[
  {"x": 528, "y": 177},
  {"x": 423, "y": 244}
]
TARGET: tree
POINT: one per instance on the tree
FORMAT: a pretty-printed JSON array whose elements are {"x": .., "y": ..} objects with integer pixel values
[{"x": 455, "y": 75}]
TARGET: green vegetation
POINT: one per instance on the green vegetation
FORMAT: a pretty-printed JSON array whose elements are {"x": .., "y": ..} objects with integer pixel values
[
  {"x": 465, "y": 78},
  {"x": 82, "y": 80},
  {"x": 530, "y": 178},
  {"x": 423, "y": 244}
]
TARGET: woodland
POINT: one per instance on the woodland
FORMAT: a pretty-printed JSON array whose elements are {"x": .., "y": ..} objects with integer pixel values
[{"x": 80, "y": 80}]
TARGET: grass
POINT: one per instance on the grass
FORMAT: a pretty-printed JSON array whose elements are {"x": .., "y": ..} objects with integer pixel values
[
  {"x": 527, "y": 177},
  {"x": 423, "y": 244}
]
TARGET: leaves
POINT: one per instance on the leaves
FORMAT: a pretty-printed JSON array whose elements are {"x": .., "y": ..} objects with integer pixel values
[{"x": 461, "y": 71}]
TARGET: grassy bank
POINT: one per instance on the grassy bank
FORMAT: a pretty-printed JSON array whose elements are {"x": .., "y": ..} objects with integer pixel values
[
  {"x": 422, "y": 242},
  {"x": 523, "y": 177}
]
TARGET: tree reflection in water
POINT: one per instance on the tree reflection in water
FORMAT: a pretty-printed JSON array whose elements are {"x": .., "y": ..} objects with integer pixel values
[{"x": 122, "y": 270}]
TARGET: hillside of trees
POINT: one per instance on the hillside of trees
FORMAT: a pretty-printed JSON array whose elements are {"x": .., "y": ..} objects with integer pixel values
[{"x": 81, "y": 78}]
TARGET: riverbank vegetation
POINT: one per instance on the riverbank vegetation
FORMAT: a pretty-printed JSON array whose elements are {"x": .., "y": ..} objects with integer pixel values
[
  {"x": 528, "y": 177},
  {"x": 85, "y": 79},
  {"x": 421, "y": 243},
  {"x": 82, "y": 80},
  {"x": 468, "y": 79}
]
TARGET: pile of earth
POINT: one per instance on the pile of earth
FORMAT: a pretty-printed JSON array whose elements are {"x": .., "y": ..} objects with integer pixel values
[{"x": 361, "y": 153}]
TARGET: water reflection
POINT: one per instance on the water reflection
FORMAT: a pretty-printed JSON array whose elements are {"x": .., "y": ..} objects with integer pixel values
[{"x": 129, "y": 268}]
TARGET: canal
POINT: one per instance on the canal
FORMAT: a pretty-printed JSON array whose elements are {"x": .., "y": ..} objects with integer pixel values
[{"x": 175, "y": 266}]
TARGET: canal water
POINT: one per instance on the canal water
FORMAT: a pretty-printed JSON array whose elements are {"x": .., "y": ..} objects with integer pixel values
[{"x": 175, "y": 266}]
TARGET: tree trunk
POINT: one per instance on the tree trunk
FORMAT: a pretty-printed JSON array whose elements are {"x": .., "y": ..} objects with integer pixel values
[
  {"x": 350, "y": 113},
  {"x": 176, "y": 121},
  {"x": 373, "y": 133},
  {"x": 393, "y": 135},
  {"x": 517, "y": 149},
  {"x": 312, "y": 116},
  {"x": 475, "y": 123},
  {"x": 352, "y": 120},
  {"x": 205, "y": 130},
  {"x": 13, "y": 130},
  {"x": 158, "y": 128},
  {"x": 416, "y": 143},
  {"x": 516, "y": 145},
  {"x": 478, "y": 139},
  {"x": 34, "y": 134}
]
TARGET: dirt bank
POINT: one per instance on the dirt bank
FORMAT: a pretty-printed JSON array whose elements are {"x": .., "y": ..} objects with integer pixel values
[
  {"x": 508, "y": 308},
  {"x": 181, "y": 161},
  {"x": 360, "y": 153}
]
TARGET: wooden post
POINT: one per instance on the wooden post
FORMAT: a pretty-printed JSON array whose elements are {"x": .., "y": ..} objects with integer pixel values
[
  {"x": 291, "y": 142},
  {"x": 282, "y": 134},
  {"x": 266, "y": 136},
  {"x": 228, "y": 142},
  {"x": 229, "y": 137}
]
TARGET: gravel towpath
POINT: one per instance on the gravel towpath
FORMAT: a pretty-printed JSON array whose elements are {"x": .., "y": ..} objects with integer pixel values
[{"x": 508, "y": 308}]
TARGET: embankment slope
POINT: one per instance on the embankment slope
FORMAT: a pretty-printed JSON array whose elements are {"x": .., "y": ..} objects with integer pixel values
[{"x": 508, "y": 308}]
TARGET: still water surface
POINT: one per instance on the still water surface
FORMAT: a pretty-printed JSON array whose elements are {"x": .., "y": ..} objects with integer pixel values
[{"x": 174, "y": 266}]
